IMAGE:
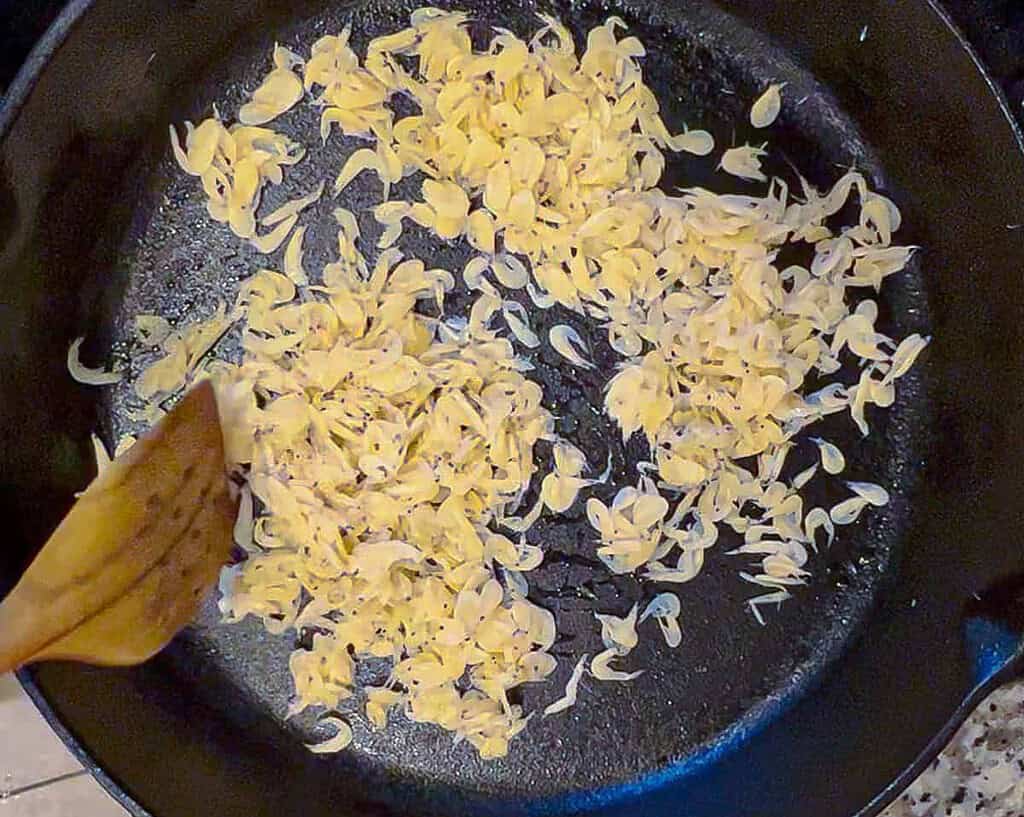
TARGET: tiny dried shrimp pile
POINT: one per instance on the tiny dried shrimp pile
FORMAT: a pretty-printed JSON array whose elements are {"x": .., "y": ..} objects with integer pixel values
[{"x": 382, "y": 449}]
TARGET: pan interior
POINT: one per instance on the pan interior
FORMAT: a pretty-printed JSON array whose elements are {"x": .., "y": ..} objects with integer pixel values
[{"x": 729, "y": 673}]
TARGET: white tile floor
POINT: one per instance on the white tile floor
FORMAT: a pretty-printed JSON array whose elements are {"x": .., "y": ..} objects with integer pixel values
[
  {"x": 30, "y": 755},
  {"x": 40, "y": 778}
]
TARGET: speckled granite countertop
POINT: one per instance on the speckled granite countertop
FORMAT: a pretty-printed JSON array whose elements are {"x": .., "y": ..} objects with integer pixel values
[{"x": 981, "y": 772}]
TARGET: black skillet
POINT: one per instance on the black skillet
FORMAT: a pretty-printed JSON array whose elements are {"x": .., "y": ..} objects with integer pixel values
[{"x": 833, "y": 707}]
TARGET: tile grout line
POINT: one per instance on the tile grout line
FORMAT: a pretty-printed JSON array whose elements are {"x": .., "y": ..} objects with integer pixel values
[{"x": 41, "y": 784}]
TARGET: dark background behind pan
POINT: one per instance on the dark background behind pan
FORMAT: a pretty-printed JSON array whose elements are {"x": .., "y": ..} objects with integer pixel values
[{"x": 183, "y": 714}]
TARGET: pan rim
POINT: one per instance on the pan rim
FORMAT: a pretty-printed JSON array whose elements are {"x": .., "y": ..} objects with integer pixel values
[
  {"x": 994, "y": 88},
  {"x": 18, "y": 94},
  {"x": 49, "y": 43}
]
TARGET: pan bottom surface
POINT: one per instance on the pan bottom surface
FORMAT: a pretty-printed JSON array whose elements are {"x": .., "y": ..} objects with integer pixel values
[{"x": 729, "y": 674}]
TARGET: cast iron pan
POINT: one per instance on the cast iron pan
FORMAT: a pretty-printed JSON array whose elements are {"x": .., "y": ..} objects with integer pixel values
[{"x": 828, "y": 710}]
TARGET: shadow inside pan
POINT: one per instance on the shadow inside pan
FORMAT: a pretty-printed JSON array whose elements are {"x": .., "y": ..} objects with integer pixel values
[{"x": 729, "y": 674}]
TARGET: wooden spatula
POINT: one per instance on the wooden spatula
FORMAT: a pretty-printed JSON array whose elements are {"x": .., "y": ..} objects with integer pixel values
[{"x": 130, "y": 564}]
